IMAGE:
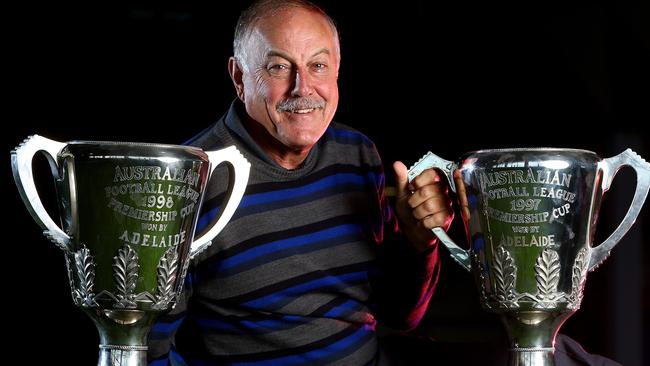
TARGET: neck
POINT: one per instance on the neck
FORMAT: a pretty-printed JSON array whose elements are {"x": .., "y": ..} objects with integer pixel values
[
  {"x": 286, "y": 157},
  {"x": 289, "y": 161}
]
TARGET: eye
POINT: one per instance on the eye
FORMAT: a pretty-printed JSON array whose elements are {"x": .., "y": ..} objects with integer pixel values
[
  {"x": 278, "y": 69},
  {"x": 319, "y": 66}
]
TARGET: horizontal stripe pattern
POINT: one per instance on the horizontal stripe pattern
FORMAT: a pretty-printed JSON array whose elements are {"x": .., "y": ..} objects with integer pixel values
[
  {"x": 268, "y": 197},
  {"x": 287, "y": 280},
  {"x": 275, "y": 245},
  {"x": 271, "y": 251},
  {"x": 322, "y": 352},
  {"x": 275, "y": 310},
  {"x": 325, "y": 284}
]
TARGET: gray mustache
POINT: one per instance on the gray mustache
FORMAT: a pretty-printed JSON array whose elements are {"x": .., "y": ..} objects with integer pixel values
[{"x": 290, "y": 105}]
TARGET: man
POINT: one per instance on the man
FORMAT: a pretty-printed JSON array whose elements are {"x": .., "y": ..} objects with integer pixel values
[{"x": 314, "y": 255}]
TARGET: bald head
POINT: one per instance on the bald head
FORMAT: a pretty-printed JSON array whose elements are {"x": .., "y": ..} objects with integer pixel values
[{"x": 261, "y": 10}]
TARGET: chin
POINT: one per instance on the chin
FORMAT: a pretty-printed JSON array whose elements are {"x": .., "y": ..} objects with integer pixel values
[
  {"x": 302, "y": 139},
  {"x": 299, "y": 146},
  {"x": 301, "y": 143}
]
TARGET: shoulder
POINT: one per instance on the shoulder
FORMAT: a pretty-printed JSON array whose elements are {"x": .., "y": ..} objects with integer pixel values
[
  {"x": 345, "y": 143},
  {"x": 214, "y": 136},
  {"x": 342, "y": 133}
]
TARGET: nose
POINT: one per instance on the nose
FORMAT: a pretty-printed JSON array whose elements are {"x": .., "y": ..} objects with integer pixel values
[{"x": 302, "y": 84}]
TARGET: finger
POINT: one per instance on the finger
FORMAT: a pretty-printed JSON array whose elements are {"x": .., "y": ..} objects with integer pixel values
[
  {"x": 401, "y": 179},
  {"x": 426, "y": 192},
  {"x": 431, "y": 206},
  {"x": 427, "y": 177},
  {"x": 441, "y": 219}
]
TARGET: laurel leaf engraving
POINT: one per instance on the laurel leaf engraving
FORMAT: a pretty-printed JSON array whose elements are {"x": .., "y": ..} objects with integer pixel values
[
  {"x": 72, "y": 276},
  {"x": 504, "y": 274},
  {"x": 167, "y": 272},
  {"x": 85, "y": 268},
  {"x": 125, "y": 273},
  {"x": 578, "y": 277},
  {"x": 547, "y": 269}
]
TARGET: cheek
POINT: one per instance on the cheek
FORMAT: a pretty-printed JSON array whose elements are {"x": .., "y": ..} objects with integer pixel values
[
  {"x": 328, "y": 89},
  {"x": 332, "y": 98},
  {"x": 258, "y": 86}
]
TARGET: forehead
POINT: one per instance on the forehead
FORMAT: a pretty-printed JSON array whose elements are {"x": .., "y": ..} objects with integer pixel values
[{"x": 292, "y": 29}]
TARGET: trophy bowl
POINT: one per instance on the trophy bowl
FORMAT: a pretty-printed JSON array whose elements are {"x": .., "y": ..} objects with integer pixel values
[
  {"x": 128, "y": 213},
  {"x": 530, "y": 216}
]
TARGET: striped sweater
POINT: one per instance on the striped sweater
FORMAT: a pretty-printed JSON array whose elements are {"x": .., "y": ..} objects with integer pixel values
[{"x": 310, "y": 261}]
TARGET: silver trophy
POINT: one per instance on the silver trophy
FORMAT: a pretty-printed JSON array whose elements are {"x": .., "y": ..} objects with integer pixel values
[
  {"x": 530, "y": 216},
  {"x": 128, "y": 212}
]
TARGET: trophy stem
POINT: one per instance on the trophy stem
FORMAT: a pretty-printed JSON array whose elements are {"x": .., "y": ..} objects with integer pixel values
[
  {"x": 532, "y": 357},
  {"x": 130, "y": 355},
  {"x": 123, "y": 336},
  {"x": 531, "y": 335}
]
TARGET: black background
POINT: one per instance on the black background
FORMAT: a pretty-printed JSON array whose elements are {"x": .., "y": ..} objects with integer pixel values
[{"x": 445, "y": 77}]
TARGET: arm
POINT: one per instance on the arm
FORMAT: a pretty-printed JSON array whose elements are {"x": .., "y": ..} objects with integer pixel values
[
  {"x": 404, "y": 282},
  {"x": 408, "y": 263},
  {"x": 162, "y": 336}
]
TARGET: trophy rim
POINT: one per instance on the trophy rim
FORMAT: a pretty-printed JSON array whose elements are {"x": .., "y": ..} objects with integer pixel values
[
  {"x": 133, "y": 143},
  {"x": 531, "y": 149}
]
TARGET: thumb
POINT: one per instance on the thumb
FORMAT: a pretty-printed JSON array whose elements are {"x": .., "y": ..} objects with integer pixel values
[{"x": 401, "y": 179}]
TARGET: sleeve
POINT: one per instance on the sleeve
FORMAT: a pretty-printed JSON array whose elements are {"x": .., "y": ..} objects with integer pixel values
[
  {"x": 569, "y": 352},
  {"x": 162, "y": 346},
  {"x": 405, "y": 279}
]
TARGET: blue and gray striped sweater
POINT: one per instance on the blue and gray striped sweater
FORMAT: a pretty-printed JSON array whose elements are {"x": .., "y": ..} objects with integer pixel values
[{"x": 310, "y": 261}]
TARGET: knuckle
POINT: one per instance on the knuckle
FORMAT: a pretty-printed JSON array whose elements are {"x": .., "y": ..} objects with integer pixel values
[
  {"x": 430, "y": 205},
  {"x": 419, "y": 214},
  {"x": 429, "y": 190},
  {"x": 412, "y": 202}
]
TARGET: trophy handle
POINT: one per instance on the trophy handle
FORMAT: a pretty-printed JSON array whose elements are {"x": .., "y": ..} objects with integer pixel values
[
  {"x": 21, "y": 164},
  {"x": 238, "y": 169},
  {"x": 610, "y": 167},
  {"x": 430, "y": 160}
]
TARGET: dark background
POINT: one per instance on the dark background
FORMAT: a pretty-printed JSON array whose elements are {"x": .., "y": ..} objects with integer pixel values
[{"x": 446, "y": 77}]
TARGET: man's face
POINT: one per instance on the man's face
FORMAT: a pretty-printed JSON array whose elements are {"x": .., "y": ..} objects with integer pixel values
[{"x": 290, "y": 76}]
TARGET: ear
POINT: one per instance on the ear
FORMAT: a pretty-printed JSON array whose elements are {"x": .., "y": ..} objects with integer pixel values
[{"x": 237, "y": 76}]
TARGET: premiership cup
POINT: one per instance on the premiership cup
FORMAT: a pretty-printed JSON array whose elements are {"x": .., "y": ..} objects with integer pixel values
[
  {"x": 530, "y": 216},
  {"x": 128, "y": 212}
]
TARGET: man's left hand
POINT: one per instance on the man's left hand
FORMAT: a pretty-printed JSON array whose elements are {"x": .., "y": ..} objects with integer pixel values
[{"x": 421, "y": 205}]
